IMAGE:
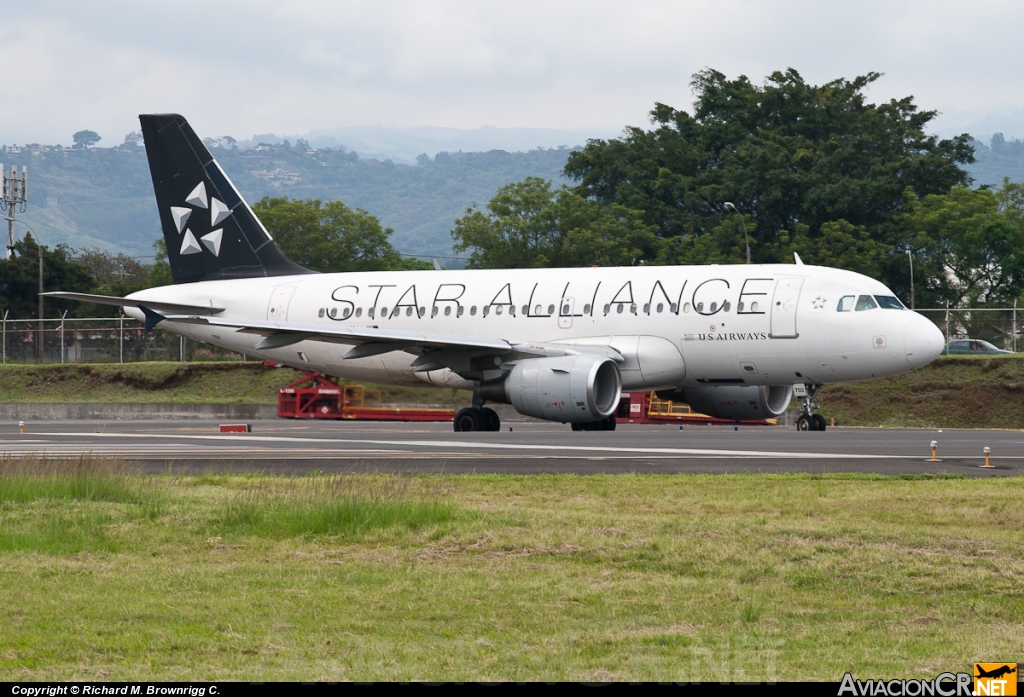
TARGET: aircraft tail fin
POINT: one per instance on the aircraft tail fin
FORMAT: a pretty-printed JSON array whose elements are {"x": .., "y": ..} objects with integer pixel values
[{"x": 210, "y": 231}]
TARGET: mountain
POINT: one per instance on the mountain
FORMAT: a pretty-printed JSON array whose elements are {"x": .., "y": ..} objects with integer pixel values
[{"x": 103, "y": 197}]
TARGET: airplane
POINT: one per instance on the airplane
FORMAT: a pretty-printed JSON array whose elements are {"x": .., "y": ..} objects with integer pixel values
[{"x": 732, "y": 341}]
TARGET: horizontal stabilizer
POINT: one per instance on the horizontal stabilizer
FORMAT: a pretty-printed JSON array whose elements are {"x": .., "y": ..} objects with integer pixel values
[{"x": 170, "y": 308}]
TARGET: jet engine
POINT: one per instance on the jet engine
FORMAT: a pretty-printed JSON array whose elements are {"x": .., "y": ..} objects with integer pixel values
[
  {"x": 738, "y": 402},
  {"x": 576, "y": 389}
]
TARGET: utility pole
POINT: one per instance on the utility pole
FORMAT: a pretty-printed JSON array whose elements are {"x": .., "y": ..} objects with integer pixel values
[
  {"x": 15, "y": 193},
  {"x": 911, "y": 257},
  {"x": 743, "y": 225},
  {"x": 39, "y": 344}
]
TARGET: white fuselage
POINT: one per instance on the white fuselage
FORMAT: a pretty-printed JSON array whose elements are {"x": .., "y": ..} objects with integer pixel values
[{"x": 731, "y": 324}]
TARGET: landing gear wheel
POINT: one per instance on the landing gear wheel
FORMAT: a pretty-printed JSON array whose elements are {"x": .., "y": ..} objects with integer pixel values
[
  {"x": 806, "y": 422},
  {"x": 490, "y": 419},
  {"x": 608, "y": 424},
  {"x": 577, "y": 426},
  {"x": 820, "y": 421},
  {"x": 469, "y": 419}
]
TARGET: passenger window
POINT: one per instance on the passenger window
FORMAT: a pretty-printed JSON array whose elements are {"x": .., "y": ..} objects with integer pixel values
[
  {"x": 845, "y": 303},
  {"x": 447, "y": 310},
  {"x": 551, "y": 309},
  {"x": 472, "y": 311},
  {"x": 888, "y": 302},
  {"x": 865, "y": 302},
  {"x": 661, "y": 307},
  {"x": 321, "y": 313},
  {"x": 586, "y": 309},
  {"x": 359, "y": 312}
]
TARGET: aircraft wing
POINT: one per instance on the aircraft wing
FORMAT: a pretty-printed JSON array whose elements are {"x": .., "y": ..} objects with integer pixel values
[
  {"x": 455, "y": 351},
  {"x": 176, "y": 308}
]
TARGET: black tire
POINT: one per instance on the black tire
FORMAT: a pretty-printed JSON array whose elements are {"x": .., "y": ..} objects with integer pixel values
[
  {"x": 608, "y": 424},
  {"x": 490, "y": 419},
  {"x": 820, "y": 421},
  {"x": 576, "y": 426},
  {"x": 468, "y": 419},
  {"x": 806, "y": 423}
]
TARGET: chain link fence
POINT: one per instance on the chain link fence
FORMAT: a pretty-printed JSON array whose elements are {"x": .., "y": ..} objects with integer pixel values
[
  {"x": 1000, "y": 326},
  {"x": 99, "y": 340}
]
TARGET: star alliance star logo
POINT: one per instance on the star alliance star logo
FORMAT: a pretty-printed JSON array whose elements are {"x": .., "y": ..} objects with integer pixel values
[
  {"x": 218, "y": 213},
  {"x": 819, "y": 303}
]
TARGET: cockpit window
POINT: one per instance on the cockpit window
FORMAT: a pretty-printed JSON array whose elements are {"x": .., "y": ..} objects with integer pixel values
[
  {"x": 865, "y": 302},
  {"x": 888, "y": 302},
  {"x": 845, "y": 303}
]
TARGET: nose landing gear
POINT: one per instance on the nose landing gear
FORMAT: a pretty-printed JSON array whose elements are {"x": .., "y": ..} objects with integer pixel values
[{"x": 808, "y": 419}]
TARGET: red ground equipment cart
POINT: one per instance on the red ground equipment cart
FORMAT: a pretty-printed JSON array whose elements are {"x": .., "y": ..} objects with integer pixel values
[{"x": 316, "y": 396}]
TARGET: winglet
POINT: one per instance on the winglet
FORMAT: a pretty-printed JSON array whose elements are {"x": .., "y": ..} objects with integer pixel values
[
  {"x": 152, "y": 318},
  {"x": 797, "y": 260}
]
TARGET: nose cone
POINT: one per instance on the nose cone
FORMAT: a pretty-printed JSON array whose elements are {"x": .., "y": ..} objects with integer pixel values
[{"x": 922, "y": 340}]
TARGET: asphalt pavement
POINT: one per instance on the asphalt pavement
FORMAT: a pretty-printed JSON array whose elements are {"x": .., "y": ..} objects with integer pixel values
[{"x": 296, "y": 447}]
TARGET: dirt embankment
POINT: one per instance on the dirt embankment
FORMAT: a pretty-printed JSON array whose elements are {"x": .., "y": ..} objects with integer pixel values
[
  {"x": 206, "y": 383},
  {"x": 951, "y": 392}
]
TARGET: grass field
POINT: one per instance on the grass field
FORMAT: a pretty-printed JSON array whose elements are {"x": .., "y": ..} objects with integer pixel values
[{"x": 110, "y": 575}]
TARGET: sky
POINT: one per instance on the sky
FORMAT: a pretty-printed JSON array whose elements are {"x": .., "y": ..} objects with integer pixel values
[{"x": 241, "y": 68}]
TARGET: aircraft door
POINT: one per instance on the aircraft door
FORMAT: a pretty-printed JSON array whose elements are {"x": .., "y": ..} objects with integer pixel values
[
  {"x": 277, "y": 309},
  {"x": 565, "y": 311},
  {"x": 784, "y": 302}
]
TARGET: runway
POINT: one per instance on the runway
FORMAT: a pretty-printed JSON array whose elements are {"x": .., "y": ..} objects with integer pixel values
[{"x": 296, "y": 447}]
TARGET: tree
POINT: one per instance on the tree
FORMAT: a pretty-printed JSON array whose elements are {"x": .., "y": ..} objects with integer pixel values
[
  {"x": 528, "y": 225},
  {"x": 160, "y": 269},
  {"x": 792, "y": 156},
  {"x": 968, "y": 245},
  {"x": 86, "y": 139},
  {"x": 331, "y": 237},
  {"x": 19, "y": 281},
  {"x": 115, "y": 274}
]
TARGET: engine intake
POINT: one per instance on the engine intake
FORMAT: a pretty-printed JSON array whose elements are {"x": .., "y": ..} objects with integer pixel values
[
  {"x": 569, "y": 389},
  {"x": 739, "y": 403}
]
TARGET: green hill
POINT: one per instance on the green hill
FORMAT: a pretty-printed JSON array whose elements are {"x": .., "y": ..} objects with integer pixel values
[{"x": 103, "y": 197}]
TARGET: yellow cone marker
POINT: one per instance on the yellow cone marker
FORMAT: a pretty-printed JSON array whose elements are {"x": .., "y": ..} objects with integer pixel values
[
  {"x": 935, "y": 448},
  {"x": 21, "y": 427},
  {"x": 987, "y": 451}
]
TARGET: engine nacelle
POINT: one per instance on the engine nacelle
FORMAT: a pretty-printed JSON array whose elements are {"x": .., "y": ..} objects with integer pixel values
[
  {"x": 738, "y": 402},
  {"x": 576, "y": 389}
]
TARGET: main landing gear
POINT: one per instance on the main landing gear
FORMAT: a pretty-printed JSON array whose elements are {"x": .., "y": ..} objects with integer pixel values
[
  {"x": 808, "y": 419},
  {"x": 607, "y": 424},
  {"x": 477, "y": 418}
]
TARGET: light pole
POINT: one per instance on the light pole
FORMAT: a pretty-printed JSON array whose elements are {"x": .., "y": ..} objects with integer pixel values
[
  {"x": 743, "y": 225},
  {"x": 911, "y": 257}
]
